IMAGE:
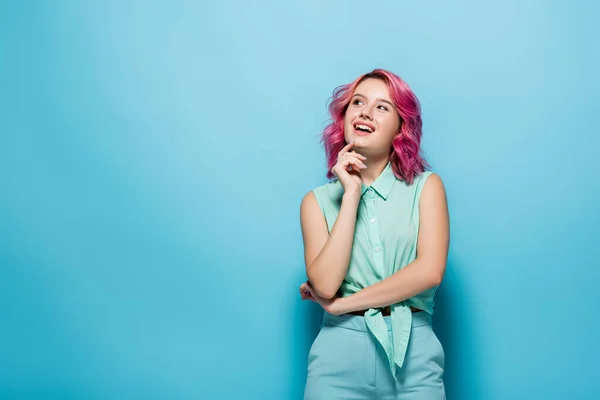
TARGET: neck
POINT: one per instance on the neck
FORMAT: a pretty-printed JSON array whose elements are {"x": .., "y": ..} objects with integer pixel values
[{"x": 373, "y": 170}]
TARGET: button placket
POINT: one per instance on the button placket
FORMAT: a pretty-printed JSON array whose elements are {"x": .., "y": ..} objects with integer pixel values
[{"x": 374, "y": 231}]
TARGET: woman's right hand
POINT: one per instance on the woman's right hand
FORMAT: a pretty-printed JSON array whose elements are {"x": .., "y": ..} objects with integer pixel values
[{"x": 347, "y": 169}]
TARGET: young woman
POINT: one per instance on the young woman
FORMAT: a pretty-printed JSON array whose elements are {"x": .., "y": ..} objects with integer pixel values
[{"x": 375, "y": 243}]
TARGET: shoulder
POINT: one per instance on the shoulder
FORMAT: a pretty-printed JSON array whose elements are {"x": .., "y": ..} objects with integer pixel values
[
  {"x": 327, "y": 187},
  {"x": 316, "y": 203},
  {"x": 318, "y": 194},
  {"x": 325, "y": 192},
  {"x": 432, "y": 180},
  {"x": 423, "y": 178},
  {"x": 324, "y": 199},
  {"x": 432, "y": 188}
]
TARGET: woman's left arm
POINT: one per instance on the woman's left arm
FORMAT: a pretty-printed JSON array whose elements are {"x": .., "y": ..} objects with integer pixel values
[{"x": 426, "y": 271}]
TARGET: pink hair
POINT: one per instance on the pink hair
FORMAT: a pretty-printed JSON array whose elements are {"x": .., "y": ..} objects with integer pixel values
[{"x": 405, "y": 157}]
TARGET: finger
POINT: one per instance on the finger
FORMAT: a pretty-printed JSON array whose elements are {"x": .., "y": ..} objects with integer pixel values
[
  {"x": 346, "y": 148},
  {"x": 354, "y": 153},
  {"x": 351, "y": 160}
]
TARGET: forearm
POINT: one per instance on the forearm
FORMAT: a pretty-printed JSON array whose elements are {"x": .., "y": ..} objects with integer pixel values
[
  {"x": 329, "y": 268},
  {"x": 411, "y": 280}
]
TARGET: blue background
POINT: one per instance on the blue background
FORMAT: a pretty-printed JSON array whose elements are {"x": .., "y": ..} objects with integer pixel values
[{"x": 153, "y": 157}]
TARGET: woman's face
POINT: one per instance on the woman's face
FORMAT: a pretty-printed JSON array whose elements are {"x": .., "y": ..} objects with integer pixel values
[{"x": 371, "y": 119}]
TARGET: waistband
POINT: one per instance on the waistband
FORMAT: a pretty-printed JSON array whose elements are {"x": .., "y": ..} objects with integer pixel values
[{"x": 357, "y": 323}]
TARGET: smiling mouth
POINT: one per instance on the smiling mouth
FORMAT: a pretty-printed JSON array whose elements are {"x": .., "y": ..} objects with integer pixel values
[{"x": 363, "y": 128}]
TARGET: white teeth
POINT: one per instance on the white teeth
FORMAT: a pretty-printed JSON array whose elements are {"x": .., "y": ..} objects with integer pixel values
[{"x": 363, "y": 127}]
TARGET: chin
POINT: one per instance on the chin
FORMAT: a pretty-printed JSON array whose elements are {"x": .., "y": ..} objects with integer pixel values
[{"x": 361, "y": 142}]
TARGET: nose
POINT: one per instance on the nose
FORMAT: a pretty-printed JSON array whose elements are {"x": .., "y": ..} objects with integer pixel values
[{"x": 367, "y": 112}]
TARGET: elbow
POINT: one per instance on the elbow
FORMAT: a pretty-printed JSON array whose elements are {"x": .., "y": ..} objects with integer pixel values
[
  {"x": 432, "y": 271},
  {"x": 436, "y": 280},
  {"x": 436, "y": 276},
  {"x": 327, "y": 294},
  {"x": 323, "y": 290},
  {"x": 322, "y": 287}
]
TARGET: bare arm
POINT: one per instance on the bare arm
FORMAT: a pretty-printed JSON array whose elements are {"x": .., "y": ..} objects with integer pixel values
[
  {"x": 327, "y": 256},
  {"x": 427, "y": 270}
]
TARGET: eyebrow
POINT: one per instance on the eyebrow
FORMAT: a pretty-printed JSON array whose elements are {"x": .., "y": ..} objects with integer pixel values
[{"x": 379, "y": 99}]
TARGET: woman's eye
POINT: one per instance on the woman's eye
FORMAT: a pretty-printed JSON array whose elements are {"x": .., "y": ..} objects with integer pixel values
[
  {"x": 357, "y": 101},
  {"x": 384, "y": 108}
]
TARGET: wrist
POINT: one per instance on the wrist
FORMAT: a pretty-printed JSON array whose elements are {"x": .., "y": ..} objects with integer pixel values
[
  {"x": 341, "y": 306},
  {"x": 352, "y": 196}
]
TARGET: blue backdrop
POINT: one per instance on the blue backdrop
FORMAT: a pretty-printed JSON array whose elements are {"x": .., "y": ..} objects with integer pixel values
[{"x": 153, "y": 157}]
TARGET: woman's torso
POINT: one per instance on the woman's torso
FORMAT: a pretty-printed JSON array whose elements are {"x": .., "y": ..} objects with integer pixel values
[{"x": 386, "y": 232}]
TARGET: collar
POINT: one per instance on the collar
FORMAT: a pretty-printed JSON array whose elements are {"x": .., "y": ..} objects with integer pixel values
[{"x": 384, "y": 182}]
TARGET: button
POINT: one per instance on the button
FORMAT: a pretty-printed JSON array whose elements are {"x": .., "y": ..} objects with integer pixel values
[
  {"x": 377, "y": 248},
  {"x": 372, "y": 219}
]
